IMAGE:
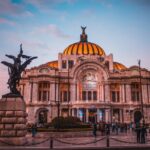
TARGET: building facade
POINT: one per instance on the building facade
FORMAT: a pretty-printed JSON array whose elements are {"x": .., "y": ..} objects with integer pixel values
[{"x": 86, "y": 83}]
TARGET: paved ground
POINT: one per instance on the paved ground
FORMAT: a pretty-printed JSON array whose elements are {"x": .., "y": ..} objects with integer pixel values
[{"x": 82, "y": 140}]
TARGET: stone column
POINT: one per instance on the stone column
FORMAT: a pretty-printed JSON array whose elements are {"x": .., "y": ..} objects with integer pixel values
[
  {"x": 107, "y": 93},
  {"x": 98, "y": 117},
  {"x": 128, "y": 93},
  {"x": 106, "y": 115},
  {"x": 87, "y": 115},
  {"x": 35, "y": 92},
  {"x": 13, "y": 120}
]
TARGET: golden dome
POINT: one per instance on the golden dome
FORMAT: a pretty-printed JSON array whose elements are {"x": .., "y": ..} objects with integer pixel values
[
  {"x": 84, "y": 47},
  {"x": 118, "y": 66}
]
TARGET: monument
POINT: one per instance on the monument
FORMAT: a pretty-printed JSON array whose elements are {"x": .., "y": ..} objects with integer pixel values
[{"x": 12, "y": 106}]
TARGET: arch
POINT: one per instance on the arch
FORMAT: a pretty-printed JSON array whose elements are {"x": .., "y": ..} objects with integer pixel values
[
  {"x": 41, "y": 116},
  {"x": 137, "y": 116},
  {"x": 87, "y": 65}
]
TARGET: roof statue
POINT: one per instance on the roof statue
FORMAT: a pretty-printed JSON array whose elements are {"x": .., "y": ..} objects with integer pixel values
[
  {"x": 15, "y": 69},
  {"x": 83, "y": 29},
  {"x": 83, "y": 36}
]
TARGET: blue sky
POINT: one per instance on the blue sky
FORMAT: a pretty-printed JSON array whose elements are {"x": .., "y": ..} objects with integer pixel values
[{"x": 47, "y": 27}]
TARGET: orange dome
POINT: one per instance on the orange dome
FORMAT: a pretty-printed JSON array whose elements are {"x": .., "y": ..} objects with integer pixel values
[
  {"x": 52, "y": 64},
  {"x": 118, "y": 66},
  {"x": 84, "y": 47}
]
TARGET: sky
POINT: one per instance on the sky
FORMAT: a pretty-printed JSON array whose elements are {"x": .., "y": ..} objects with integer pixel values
[{"x": 47, "y": 27}]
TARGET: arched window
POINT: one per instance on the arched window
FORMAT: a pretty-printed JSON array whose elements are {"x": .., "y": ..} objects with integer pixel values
[
  {"x": 115, "y": 92},
  {"x": 135, "y": 92},
  {"x": 44, "y": 91},
  {"x": 89, "y": 86}
]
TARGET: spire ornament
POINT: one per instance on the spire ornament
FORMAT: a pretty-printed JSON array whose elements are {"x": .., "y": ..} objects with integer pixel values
[{"x": 83, "y": 36}]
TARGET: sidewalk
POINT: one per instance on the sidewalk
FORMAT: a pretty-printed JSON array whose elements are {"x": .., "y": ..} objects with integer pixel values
[{"x": 66, "y": 140}]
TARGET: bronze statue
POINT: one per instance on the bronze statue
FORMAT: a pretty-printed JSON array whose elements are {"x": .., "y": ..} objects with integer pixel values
[
  {"x": 83, "y": 29},
  {"x": 15, "y": 70}
]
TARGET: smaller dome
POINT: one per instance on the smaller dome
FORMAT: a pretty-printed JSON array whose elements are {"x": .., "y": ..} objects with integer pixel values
[
  {"x": 52, "y": 64},
  {"x": 119, "y": 66}
]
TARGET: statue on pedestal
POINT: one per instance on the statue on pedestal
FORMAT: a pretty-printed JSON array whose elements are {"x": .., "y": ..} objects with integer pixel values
[{"x": 14, "y": 70}]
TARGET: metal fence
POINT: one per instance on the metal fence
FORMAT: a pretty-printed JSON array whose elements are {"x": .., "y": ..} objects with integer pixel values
[{"x": 106, "y": 139}]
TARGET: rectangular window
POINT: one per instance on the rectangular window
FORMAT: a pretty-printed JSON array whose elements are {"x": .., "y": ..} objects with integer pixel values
[
  {"x": 70, "y": 63},
  {"x": 44, "y": 96},
  {"x": 64, "y": 65},
  {"x": 118, "y": 96},
  {"x": 89, "y": 95},
  {"x": 39, "y": 95},
  {"x": 84, "y": 95},
  {"x": 135, "y": 91},
  {"x": 65, "y": 96},
  {"x": 113, "y": 96},
  {"x": 94, "y": 95}
]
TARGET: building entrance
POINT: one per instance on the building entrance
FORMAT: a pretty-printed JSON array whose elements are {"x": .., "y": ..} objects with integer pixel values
[
  {"x": 93, "y": 115},
  {"x": 42, "y": 117},
  {"x": 137, "y": 116}
]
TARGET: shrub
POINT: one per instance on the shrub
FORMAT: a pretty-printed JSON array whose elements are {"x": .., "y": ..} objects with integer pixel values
[{"x": 66, "y": 122}]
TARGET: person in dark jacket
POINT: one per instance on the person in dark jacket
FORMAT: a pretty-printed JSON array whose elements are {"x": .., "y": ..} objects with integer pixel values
[
  {"x": 34, "y": 130},
  {"x": 94, "y": 129},
  {"x": 143, "y": 134},
  {"x": 138, "y": 132}
]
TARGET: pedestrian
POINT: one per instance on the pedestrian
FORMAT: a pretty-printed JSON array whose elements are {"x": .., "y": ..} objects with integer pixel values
[
  {"x": 107, "y": 129},
  {"x": 138, "y": 132},
  {"x": 94, "y": 129},
  {"x": 143, "y": 134},
  {"x": 33, "y": 130}
]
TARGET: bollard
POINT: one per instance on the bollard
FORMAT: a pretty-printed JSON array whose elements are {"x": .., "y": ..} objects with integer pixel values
[
  {"x": 107, "y": 141},
  {"x": 51, "y": 143}
]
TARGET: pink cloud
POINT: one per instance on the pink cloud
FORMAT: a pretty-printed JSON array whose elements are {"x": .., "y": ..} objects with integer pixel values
[
  {"x": 15, "y": 9},
  {"x": 50, "y": 29},
  {"x": 5, "y": 21}
]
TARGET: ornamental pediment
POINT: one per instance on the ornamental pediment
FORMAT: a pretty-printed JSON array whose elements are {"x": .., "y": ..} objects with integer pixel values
[{"x": 44, "y": 70}]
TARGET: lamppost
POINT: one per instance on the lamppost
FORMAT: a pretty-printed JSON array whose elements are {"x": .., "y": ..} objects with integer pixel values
[
  {"x": 68, "y": 95},
  {"x": 57, "y": 102},
  {"x": 141, "y": 97}
]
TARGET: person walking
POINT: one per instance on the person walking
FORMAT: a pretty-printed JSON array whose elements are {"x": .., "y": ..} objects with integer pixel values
[
  {"x": 143, "y": 134},
  {"x": 94, "y": 129},
  {"x": 138, "y": 132},
  {"x": 33, "y": 130}
]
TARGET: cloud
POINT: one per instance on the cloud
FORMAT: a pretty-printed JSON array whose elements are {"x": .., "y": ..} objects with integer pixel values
[
  {"x": 140, "y": 2},
  {"x": 7, "y": 7},
  {"x": 5, "y": 21},
  {"x": 50, "y": 29},
  {"x": 48, "y": 3}
]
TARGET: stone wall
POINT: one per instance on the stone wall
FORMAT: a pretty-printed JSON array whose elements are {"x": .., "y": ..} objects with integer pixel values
[{"x": 12, "y": 119}]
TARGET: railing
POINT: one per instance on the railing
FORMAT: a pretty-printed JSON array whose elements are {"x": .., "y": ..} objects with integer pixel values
[{"x": 108, "y": 141}]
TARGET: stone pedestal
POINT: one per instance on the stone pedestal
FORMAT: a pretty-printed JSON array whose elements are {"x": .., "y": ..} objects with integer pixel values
[{"x": 13, "y": 120}]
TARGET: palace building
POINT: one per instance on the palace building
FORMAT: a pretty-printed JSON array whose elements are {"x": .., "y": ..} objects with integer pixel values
[{"x": 87, "y": 83}]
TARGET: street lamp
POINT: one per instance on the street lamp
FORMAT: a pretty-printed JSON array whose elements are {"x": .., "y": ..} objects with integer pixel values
[
  {"x": 141, "y": 97},
  {"x": 68, "y": 95},
  {"x": 57, "y": 102}
]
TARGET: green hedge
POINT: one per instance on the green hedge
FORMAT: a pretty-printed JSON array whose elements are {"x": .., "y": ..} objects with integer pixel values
[{"x": 68, "y": 122}]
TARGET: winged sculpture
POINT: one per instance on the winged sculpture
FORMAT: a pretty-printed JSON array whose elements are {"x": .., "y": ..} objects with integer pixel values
[{"x": 15, "y": 69}]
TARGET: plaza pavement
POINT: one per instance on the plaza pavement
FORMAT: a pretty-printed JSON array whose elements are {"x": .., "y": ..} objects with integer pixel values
[{"x": 82, "y": 140}]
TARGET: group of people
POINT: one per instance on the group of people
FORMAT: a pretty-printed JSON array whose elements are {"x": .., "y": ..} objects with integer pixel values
[
  {"x": 106, "y": 128},
  {"x": 141, "y": 133}
]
